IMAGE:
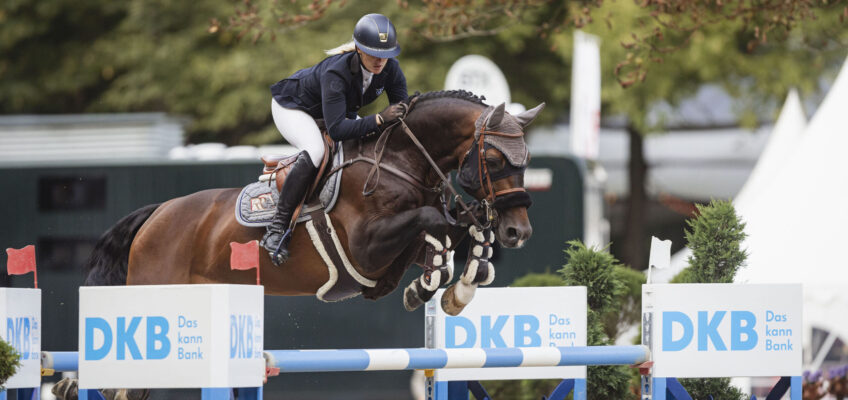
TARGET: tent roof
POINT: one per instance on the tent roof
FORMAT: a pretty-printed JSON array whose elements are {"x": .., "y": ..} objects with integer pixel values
[
  {"x": 796, "y": 222},
  {"x": 782, "y": 141}
]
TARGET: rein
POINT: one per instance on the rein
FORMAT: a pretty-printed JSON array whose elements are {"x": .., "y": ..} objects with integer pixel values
[
  {"x": 445, "y": 181},
  {"x": 444, "y": 184}
]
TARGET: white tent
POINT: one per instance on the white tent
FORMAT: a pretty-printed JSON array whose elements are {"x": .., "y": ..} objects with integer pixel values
[
  {"x": 796, "y": 217},
  {"x": 783, "y": 140},
  {"x": 797, "y": 221}
]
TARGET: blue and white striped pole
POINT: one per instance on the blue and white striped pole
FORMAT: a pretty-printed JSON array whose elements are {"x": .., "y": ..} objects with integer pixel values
[
  {"x": 60, "y": 361},
  {"x": 420, "y": 358}
]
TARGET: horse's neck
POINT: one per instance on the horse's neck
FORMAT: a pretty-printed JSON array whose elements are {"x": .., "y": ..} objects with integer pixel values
[{"x": 444, "y": 133}]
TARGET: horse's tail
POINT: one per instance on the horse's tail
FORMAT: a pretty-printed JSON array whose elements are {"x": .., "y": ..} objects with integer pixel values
[{"x": 108, "y": 262}]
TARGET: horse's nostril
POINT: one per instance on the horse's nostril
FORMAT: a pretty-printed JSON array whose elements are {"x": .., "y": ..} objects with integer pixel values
[{"x": 512, "y": 233}]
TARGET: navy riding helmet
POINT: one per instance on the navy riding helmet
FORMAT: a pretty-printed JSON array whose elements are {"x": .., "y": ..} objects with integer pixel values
[{"x": 375, "y": 35}]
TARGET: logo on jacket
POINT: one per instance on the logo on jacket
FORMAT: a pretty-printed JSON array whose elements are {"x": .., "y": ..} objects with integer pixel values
[{"x": 379, "y": 90}]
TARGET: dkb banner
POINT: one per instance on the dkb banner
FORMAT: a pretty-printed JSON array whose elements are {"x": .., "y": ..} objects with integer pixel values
[
  {"x": 171, "y": 336},
  {"x": 20, "y": 326},
  {"x": 513, "y": 317},
  {"x": 723, "y": 330}
]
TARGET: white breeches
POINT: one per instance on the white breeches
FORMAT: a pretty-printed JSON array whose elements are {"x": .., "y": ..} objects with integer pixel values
[{"x": 300, "y": 130}]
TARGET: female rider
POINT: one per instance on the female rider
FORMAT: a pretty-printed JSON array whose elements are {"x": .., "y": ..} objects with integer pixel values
[{"x": 336, "y": 88}]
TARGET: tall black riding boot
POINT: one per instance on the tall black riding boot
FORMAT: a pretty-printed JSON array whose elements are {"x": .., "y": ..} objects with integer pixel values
[{"x": 276, "y": 239}]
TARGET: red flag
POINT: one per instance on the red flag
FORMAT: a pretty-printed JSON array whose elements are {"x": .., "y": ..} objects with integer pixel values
[
  {"x": 21, "y": 261},
  {"x": 244, "y": 256}
]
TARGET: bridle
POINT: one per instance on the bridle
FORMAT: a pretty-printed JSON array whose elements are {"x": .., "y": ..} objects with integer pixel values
[
  {"x": 444, "y": 185},
  {"x": 484, "y": 177}
]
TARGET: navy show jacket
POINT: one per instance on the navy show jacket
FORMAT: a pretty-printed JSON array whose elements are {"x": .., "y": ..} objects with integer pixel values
[{"x": 332, "y": 90}]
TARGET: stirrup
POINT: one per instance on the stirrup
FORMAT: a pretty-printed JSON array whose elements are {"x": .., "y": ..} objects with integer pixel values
[{"x": 281, "y": 253}]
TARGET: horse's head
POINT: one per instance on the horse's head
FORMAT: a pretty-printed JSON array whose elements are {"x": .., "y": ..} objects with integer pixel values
[{"x": 493, "y": 172}]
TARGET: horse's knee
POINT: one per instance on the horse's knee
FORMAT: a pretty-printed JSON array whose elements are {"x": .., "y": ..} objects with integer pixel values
[{"x": 434, "y": 222}]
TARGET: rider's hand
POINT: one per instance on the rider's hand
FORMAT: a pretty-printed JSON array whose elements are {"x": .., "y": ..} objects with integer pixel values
[{"x": 391, "y": 113}]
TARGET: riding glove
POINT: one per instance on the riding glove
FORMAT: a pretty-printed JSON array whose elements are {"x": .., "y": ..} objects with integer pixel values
[{"x": 391, "y": 113}]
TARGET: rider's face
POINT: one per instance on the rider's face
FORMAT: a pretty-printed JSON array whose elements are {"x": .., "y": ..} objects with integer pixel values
[{"x": 372, "y": 64}]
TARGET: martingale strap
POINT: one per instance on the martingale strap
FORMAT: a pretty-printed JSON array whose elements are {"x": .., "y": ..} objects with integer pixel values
[
  {"x": 444, "y": 179},
  {"x": 345, "y": 281}
]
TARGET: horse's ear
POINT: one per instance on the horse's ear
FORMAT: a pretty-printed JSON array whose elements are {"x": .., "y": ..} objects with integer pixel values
[
  {"x": 496, "y": 117},
  {"x": 528, "y": 116}
]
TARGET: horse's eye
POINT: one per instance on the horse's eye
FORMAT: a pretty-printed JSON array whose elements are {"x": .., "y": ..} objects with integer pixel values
[{"x": 495, "y": 162}]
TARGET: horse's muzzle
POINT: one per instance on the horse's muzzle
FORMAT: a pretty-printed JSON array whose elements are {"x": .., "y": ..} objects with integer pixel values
[{"x": 513, "y": 228}]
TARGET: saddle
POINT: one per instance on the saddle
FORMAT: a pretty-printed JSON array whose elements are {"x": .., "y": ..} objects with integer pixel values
[
  {"x": 256, "y": 206},
  {"x": 256, "y": 203},
  {"x": 277, "y": 168}
]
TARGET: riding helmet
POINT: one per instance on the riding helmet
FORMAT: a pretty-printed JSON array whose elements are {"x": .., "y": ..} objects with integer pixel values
[{"x": 375, "y": 35}]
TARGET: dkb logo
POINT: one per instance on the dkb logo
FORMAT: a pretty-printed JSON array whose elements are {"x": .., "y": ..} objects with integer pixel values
[
  {"x": 19, "y": 332},
  {"x": 241, "y": 336},
  {"x": 742, "y": 324},
  {"x": 525, "y": 331},
  {"x": 157, "y": 345}
]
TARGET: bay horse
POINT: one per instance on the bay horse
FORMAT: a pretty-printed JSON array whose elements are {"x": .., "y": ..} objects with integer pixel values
[{"x": 186, "y": 239}]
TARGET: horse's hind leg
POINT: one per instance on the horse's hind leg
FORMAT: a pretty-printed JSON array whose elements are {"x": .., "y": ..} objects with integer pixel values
[{"x": 161, "y": 250}]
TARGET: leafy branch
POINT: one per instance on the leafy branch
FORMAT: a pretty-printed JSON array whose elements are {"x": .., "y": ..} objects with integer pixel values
[{"x": 666, "y": 27}]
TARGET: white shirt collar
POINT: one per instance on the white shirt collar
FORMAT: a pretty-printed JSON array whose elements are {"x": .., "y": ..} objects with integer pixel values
[{"x": 366, "y": 78}]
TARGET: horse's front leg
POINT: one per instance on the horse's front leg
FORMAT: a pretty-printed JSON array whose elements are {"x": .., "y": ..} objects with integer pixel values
[
  {"x": 421, "y": 236},
  {"x": 382, "y": 239},
  {"x": 436, "y": 271},
  {"x": 478, "y": 271}
]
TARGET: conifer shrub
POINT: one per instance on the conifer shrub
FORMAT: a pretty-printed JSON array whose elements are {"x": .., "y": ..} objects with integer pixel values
[
  {"x": 715, "y": 236},
  {"x": 10, "y": 361},
  {"x": 613, "y": 292},
  {"x": 596, "y": 269}
]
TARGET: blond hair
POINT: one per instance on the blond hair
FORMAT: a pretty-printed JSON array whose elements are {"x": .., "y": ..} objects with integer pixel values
[{"x": 345, "y": 48}]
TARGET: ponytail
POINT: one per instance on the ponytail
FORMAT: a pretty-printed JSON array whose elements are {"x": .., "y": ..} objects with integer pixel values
[{"x": 345, "y": 48}]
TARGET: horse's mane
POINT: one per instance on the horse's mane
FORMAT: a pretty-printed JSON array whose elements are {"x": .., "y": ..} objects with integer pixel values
[{"x": 452, "y": 94}]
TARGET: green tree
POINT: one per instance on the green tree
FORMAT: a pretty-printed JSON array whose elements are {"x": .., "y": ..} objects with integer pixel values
[
  {"x": 629, "y": 310},
  {"x": 714, "y": 54},
  {"x": 527, "y": 389},
  {"x": 715, "y": 237},
  {"x": 659, "y": 52},
  {"x": 596, "y": 269},
  {"x": 615, "y": 295},
  {"x": 63, "y": 56},
  {"x": 10, "y": 361}
]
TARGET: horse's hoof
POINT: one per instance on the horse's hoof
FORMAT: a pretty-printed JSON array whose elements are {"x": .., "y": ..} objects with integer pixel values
[
  {"x": 456, "y": 297},
  {"x": 411, "y": 300},
  {"x": 125, "y": 394},
  {"x": 66, "y": 389}
]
